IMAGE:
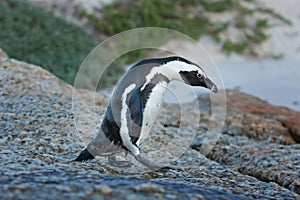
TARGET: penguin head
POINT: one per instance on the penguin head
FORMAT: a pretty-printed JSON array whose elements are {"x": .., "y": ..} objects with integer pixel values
[
  {"x": 191, "y": 74},
  {"x": 197, "y": 78}
]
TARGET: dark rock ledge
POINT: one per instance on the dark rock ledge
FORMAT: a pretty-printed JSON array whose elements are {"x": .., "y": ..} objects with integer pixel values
[{"x": 257, "y": 156}]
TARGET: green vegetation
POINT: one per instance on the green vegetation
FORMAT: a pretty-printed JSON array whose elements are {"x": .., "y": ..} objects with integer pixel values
[
  {"x": 38, "y": 37},
  {"x": 190, "y": 17}
]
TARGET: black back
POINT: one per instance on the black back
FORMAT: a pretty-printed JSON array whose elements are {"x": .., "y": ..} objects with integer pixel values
[{"x": 161, "y": 61}]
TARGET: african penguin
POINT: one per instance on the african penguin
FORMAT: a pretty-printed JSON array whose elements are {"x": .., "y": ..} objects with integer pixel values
[{"x": 135, "y": 103}]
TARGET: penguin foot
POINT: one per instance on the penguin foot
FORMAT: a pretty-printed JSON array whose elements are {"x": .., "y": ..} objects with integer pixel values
[
  {"x": 118, "y": 163},
  {"x": 149, "y": 163}
]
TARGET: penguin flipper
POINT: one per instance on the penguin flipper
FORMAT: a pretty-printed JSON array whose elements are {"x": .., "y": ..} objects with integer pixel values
[
  {"x": 135, "y": 106},
  {"x": 85, "y": 155}
]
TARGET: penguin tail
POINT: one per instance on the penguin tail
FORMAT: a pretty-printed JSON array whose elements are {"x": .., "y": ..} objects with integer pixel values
[{"x": 85, "y": 155}]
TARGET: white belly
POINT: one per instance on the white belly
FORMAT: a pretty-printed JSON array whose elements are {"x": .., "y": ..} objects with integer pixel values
[{"x": 152, "y": 109}]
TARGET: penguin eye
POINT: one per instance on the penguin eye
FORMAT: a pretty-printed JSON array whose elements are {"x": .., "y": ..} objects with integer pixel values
[{"x": 199, "y": 75}]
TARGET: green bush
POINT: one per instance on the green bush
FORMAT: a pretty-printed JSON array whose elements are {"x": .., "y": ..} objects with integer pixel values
[
  {"x": 123, "y": 15},
  {"x": 35, "y": 36},
  {"x": 189, "y": 17}
]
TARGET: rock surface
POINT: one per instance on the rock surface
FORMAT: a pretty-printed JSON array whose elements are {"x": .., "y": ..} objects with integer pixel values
[{"x": 257, "y": 156}]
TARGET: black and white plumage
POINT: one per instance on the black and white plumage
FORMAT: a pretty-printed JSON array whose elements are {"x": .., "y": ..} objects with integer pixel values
[{"x": 135, "y": 103}]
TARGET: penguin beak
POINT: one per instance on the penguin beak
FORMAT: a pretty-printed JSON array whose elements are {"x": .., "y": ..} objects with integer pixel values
[{"x": 210, "y": 85}]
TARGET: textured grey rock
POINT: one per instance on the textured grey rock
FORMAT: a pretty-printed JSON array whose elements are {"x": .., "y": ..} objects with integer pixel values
[
  {"x": 256, "y": 142},
  {"x": 38, "y": 140}
]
